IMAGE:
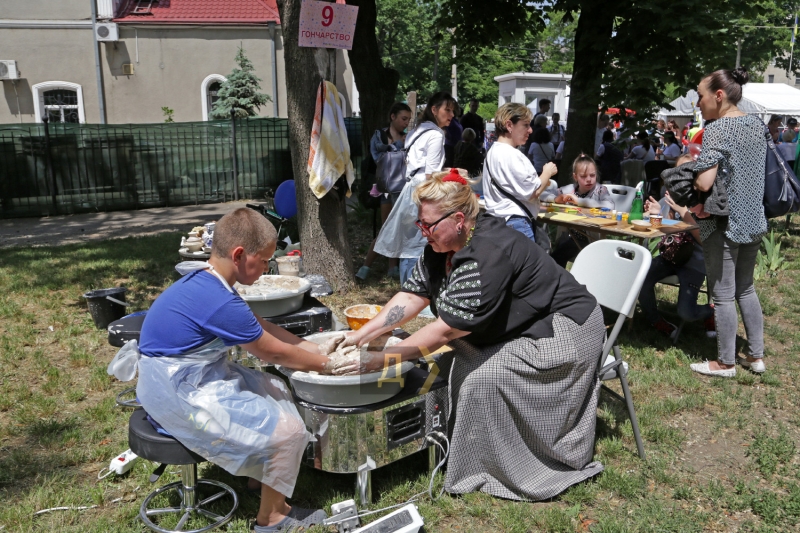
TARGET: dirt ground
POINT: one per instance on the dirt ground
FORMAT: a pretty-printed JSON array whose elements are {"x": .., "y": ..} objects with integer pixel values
[{"x": 71, "y": 229}]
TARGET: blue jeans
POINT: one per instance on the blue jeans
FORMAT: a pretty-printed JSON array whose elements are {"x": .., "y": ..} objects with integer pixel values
[
  {"x": 406, "y": 266},
  {"x": 690, "y": 282},
  {"x": 522, "y": 225}
]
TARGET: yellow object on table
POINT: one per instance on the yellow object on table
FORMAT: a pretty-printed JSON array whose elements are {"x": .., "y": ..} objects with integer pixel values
[
  {"x": 599, "y": 221},
  {"x": 564, "y": 217}
]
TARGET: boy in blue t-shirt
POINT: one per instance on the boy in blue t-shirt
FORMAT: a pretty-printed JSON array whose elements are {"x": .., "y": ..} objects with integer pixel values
[{"x": 250, "y": 427}]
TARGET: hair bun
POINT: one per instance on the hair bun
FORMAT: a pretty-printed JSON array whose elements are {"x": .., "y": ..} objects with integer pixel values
[{"x": 740, "y": 75}]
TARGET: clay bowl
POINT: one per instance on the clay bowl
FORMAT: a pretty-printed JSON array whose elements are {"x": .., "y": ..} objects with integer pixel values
[{"x": 358, "y": 315}]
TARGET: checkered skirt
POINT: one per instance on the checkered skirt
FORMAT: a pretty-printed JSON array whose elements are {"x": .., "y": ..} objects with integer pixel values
[{"x": 523, "y": 413}]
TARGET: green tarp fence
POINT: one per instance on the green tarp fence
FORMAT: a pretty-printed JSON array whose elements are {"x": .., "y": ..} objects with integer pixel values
[{"x": 77, "y": 168}]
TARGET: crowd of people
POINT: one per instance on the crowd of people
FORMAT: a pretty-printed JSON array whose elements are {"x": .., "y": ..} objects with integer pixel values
[
  {"x": 515, "y": 175},
  {"x": 522, "y": 328}
]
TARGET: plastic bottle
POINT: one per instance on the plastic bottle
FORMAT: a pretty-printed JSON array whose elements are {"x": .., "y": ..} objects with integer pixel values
[{"x": 637, "y": 207}]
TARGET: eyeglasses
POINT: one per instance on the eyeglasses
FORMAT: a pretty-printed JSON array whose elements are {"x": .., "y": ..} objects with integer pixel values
[{"x": 428, "y": 229}]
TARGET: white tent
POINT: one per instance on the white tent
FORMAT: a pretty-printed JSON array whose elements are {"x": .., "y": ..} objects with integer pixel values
[{"x": 762, "y": 99}]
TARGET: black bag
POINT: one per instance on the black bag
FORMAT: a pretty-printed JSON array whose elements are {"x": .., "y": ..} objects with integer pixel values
[
  {"x": 781, "y": 188},
  {"x": 390, "y": 170},
  {"x": 676, "y": 248}
]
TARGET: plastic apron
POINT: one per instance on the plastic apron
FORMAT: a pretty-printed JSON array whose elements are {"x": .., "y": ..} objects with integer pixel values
[
  {"x": 241, "y": 419},
  {"x": 399, "y": 236}
]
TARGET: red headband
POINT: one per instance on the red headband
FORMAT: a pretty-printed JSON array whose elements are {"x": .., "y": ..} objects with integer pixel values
[{"x": 454, "y": 176}]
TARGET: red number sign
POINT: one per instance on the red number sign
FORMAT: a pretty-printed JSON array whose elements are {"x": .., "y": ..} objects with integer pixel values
[
  {"x": 327, "y": 16},
  {"x": 327, "y": 25}
]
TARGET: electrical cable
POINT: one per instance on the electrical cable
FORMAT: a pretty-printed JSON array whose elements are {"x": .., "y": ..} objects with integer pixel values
[
  {"x": 446, "y": 451},
  {"x": 441, "y": 463},
  {"x": 82, "y": 508}
]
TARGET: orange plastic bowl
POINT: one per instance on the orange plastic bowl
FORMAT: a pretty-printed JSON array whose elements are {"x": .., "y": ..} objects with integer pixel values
[{"x": 358, "y": 315}]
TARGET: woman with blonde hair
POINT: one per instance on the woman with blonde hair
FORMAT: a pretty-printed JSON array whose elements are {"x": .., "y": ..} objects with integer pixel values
[
  {"x": 511, "y": 186},
  {"x": 520, "y": 326}
]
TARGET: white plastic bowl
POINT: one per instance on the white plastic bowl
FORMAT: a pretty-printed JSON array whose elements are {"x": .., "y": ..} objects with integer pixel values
[
  {"x": 345, "y": 391},
  {"x": 279, "y": 302}
]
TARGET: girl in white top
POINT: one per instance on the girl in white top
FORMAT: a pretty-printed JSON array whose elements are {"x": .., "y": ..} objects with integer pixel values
[
  {"x": 399, "y": 236},
  {"x": 672, "y": 150},
  {"x": 513, "y": 172},
  {"x": 642, "y": 152}
]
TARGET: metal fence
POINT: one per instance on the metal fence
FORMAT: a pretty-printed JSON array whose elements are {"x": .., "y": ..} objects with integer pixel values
[{"x": 49, "y": 169}]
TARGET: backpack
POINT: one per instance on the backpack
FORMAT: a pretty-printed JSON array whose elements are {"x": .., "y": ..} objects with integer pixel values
[
  {"x": 369, "y": 163},
  {"x": 781, "y": 188},
  {"x": 390, "y": 170}
]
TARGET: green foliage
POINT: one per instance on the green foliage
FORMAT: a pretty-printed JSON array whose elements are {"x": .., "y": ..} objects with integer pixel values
[
  {"x": 412, "y": 41},
  {"x": 769, "y": 260},
  {"x": 769, "y": 453},
  {"x": 168, "y": 113},
  {"x": 650, "y": 57},
  {"x": 240, "y": 92}
]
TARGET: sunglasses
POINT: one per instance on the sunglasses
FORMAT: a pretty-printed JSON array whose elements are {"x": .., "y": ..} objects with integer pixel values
[{"x": 428, "y": 229}]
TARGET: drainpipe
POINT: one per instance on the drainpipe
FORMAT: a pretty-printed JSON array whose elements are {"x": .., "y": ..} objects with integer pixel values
[
  {"x": 274, "y": 69},
  {"x": 101, "y": 97}
]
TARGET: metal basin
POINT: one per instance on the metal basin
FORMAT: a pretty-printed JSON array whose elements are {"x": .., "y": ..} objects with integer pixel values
[
  {"x": 279, "y": 301},
  {"x": 347, "y": 391}
]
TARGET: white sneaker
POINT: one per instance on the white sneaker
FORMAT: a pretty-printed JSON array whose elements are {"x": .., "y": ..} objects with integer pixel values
[
  {"x": 756, "y": 366},
  {"x": 702, "y": 368}
]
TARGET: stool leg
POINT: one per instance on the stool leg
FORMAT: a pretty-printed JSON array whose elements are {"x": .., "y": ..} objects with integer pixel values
[
  {"x": 189, "y": 485},
  {"x": 364, "y": 487}
]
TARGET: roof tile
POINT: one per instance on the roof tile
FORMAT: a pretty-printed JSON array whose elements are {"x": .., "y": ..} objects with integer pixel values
[{"x": 201, "y": 12}]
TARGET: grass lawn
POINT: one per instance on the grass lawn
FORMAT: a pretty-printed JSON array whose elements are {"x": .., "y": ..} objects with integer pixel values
[{"x": 722, "y": 454}]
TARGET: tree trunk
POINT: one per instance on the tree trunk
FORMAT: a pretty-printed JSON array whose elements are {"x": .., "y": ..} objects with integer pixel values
[
  {"x": 322, "y": 223},
  {"x": 377, "y": 85},
  {"x": 592, "y": 40}
]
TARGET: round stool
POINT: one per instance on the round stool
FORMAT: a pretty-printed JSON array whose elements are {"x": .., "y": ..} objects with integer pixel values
[{"x": 148, "y": 444}]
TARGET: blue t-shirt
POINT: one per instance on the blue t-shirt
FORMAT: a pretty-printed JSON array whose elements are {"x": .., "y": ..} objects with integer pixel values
[{"x": 194, "y": 311}]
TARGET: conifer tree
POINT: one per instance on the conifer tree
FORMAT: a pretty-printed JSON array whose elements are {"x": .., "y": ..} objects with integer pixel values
[{"x": 240, "y": 91}]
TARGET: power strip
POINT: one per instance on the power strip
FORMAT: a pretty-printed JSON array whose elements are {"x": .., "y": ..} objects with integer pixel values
[
  {"x": 123, "y": 462},
  {"x": 404, "y": 520}
]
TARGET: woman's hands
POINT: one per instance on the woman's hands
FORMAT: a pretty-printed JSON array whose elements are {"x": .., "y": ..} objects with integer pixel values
[
  {"x": 549, "y": 170},
  {"x": 331, "y": 345},
  {"x": 363, "y": 362},
  {"x": 652, "y": 206},
  {"x": 675, "y": 207}
]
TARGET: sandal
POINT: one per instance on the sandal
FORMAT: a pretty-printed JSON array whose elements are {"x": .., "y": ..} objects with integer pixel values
[{"x": 298, "y": 519}]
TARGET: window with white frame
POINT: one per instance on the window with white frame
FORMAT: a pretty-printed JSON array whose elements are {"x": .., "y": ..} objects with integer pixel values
[
  {"x": 209, "y": 92},
  {"x": 212, "y": 94},
  {"x": 61, "y": 105},
  {"x": 59, "y": 101}
]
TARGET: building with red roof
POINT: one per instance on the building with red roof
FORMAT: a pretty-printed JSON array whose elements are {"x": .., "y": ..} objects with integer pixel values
[
  {"x": 153, "y": 54},
  {"x": 214, "y": 12}
]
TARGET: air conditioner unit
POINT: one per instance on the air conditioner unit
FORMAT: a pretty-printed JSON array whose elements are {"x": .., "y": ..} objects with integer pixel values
[
  {"x": 106, "y": 31},
  {"x": 127, "y": 69},
  {"x": 8, "y": 69}
]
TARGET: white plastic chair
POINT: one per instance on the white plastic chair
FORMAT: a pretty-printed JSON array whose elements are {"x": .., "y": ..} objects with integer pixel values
[
  {"x": 613, "y": 272},
  {"x": 623, "y": 197}
]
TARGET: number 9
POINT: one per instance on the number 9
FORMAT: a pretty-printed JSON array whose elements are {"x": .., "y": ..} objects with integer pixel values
[{"x": 327, "y": 15}]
